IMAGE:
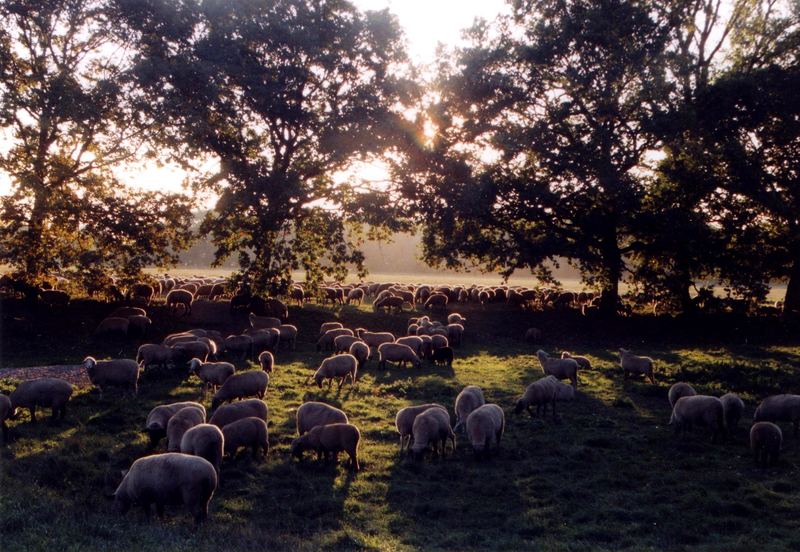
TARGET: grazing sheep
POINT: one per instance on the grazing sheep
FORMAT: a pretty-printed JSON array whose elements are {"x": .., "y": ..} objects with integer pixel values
[
  {"x": 455, "y": 334},
  {"x": 436, "y": 301},
  {"x": 561, "y": 368},
  {"x": 151, "y": 354},
  {"x": 180, "y": 297},
  {"x": 389, "y": 303},
  {"x": 412, "y": 341},
  {"x": 766, "y": 440},
  {"x": 538, "y": 394},
  {"x": 700, "y": 410},
  {"x": 113, "y": 325},
  {"x": 158, "y": 418},
  {"x": 121, "y": 372},
  {"x": 264, "y": 340},
  {"x": 266, "y": 361},
  {"x": 397, "y": 353},
  {"x": 412, "y": 330},
  {"x": 360, "y": 350},
  {"x": 679, "y": 390},
  {"x": 339, "y": 366},
  {"x": 6, "y": 413},
  {"x": 632, "y": 364},
  {"x": 240, "y": 386},
  {"x": 171, "y": 478},
  {"x": 205, "y": 441},
  {"x": 779, "y": 408},
  {"x": 312, "y": 414},
  {"x": 583, "y": 362},
  {"x": 329, "y": 326},
  {"x": 404, "y": 421},
  {"x": 431, "y": 428},
  {"x": 179, "y": 423},
  {"x": 325, "y": 343},
  {"x": 342, "y": 343},
  {"x": 375, "y": 339},
  {"x": 143, "y": 291},
  {"x": 439, "y": 342},
  {"x": 455, "y": 318},
  {"x": 356, "y": 296},
  {"x": 533, "y": 335},
  {"x": 485, "y": 426},
  {"x": 733, "y": 408},
  {"x": 53, "y": 393},
  {"x": 137, "y": 325},
  {"x": 470, "y": 398},
  {"x": 127, "y": 312},
  {"x": 443, "y": 355},
  {"x": 239, "y": 346},
  {"x": 212, "y": 374},
  {"x": 288, "y": 335},
  {"x": 229, "y": 413},
  {"x": 247, "y": 432},
  {"x": 328, "y": 441},
  {"x": 263, "y": 322},
  {"x": 184, "y": 352}
]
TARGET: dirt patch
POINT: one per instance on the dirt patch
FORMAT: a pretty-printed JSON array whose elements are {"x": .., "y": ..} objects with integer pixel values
[{"x": 73, "y": 373}]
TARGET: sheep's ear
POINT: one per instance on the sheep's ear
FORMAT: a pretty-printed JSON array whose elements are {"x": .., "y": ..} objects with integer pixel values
[{"x": 123, "y": 473}]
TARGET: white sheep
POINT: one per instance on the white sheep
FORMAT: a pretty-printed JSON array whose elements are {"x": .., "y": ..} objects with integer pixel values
[
  {"x": 633, "y": 364},
  {"x": 397, "y": 353},
  {"x": 122, "y": 372},
  {"x": 312, "y": 414},
  {"x": 212, "y": 374},
  {"x": 339, "y": 366},
  {"x": 560, "y": 368},
  {"x": 404, "y": 421},
  {"x": 470, "y": 398},
  {"x": 485, "y": 426},
  {"x": 243, "y": 385}
]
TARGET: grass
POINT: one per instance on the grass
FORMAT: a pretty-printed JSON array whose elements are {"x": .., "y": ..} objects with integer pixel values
[{"x": 606, "y": 474}]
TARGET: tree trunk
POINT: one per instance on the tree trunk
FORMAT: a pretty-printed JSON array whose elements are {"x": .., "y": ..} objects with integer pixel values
[
  {"x": 612, "y": 261},
  {"x": 791, "y": 301}
]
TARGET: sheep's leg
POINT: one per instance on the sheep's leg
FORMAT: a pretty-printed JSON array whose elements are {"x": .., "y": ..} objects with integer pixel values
[{"x": 33, "y": 413}]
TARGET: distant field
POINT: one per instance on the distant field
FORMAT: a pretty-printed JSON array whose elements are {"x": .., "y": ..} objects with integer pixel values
[{"x": 606, "y": 474}]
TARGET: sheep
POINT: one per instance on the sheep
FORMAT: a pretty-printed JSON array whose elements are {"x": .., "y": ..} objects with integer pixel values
[
  {"x": 158, "y": 418},
  {"x": 247, "y": 432},
  {"x": 561, "y": 368},
  {"x": 297, "y": 294},
  {"x": 766, "y": 440},
  {"x": 779, "y": 408},
  {"x": 328, "y": 441},
  {"x": 180, "y": 297},
  {"x": 632, "y": 364},
  {"x": 151, "y": 354},
  {"x": 342, "y": 343},
  {"x": 6, "y": 413},
  {"x": 678, "y": 390},
  {"x": 339, "y": 366},
  {"x": 439, "y": 342},
  {"x": 205, "y": 441},
  {"x": 239, "y": 346},
  {"x": 360, "y": 351},
  {"x": 266, "y": 361},
  {"x": 312, "y": 414},
  {"x": 404, "y": 421},
  {"x": 455, "y": 318},
  {"x": 538, "y": 394},
  {"x": 121, "y": 372},
  {"x": 436, "y": 301},
  {"x": 732, "y": 407},
  {"x": 389, "y": 303},
  {"x": 412, "y": 341},
  {"x": 412, "y": 329},
  {"x": 329, "y": 326},
  {"x": 182, "y": 353},
  {"x": 455, "y": 334},
  {"x": 54, "y": 298},
  {"x": 533, "y": 335},
  {"x": 144, "y": 291},
  {"x": 113, "y": 325},
  {"x": 470, "y": 398},
  {"x": 355, "y": 295},
  {"x": 179, "y": 423},
  {"x": 397, "y": 353},
  {"x": 229, "y": 413},
  {"x": 427, "y": 346},
  {"x": 485, "y": 426},
  {"x": 239, "y": 386},
  {"x": 583, "y": 362},
  {"x": 212, "y": 374},
  {"x": 171, "y": 478},
  {"x": 53, "y": 393},
  {"x": 263, "y": 322},
  {"x": 375, "y": 339},
  {"x": 288, "y": 335},
  {"x": 431, "y": 427},
  {"x": 443, "y": 355},
  {"x": 264, "y": 340},
  {"x": 127, "y": 312},
  {"x": 702, "y": 410},
  {"x": 138, "y": 325},
  {"x": 325, "y": 343}
]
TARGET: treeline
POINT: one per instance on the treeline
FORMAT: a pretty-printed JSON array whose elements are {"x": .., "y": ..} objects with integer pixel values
[{"x": 652, "y": 143}]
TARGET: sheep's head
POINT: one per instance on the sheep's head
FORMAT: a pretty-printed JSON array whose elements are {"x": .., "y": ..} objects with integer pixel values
[
  {"x": 318, "y": 379},
  {"x": 215, "y": 402},
  {"x": 299, "y": 445},
  {"x": 194, "y": 365},
  {"x": 89, "y": 364},
  {"x": 520, "y": 406}
]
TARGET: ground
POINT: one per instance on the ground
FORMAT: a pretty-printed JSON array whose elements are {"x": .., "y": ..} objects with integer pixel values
[{"x": 608, "y": 473}]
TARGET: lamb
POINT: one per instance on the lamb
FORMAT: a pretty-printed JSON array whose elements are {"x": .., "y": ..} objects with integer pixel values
[
  {"x": 180, "y": 297},
  {"x": 470, "y": 398},
  {"x": 455, "y": 333},
  {"x": 6, "y": 413},
  {"x": 151, "y": 354},
  {"x": 158, "y": 418},
  {"x": 632, "y": 364},
  {"x": 360, "y": 350},
  {"x": 263, "y": 322},
  {"x": 329, "y": 326},
  {"x": 266, "y": 361},
  {"x": 485, "y": 426},
  {"x": 375, "y": 339},
  {"x": 229, "y": 413},
  {"x": 171, "y": 478},
  {"x": 342, "y": 343},
  {"x": 733, "y": 408},
  {"x": 455, "y": 318},
  {"x": 583, "y": 362},
  {"x": 53, "y": 393},
  {"x": 679, "y": 390},
  {"x": 212, "y": 374},
  {"x": 443, "y": 355},
  {"x": 312, "y": 414},
  {"x": 247, "y": 432},
  {"x": 431, "y": 427},
  {"x": 288, "y": 335},
  {"x": 183, "y": 420},
  {"x": 766, "y": 440},
  {"x": 779, "y": 408},
  {"x": 329, "y": 440},
  {"x": 701, "y": 410},
  {"x": 404, "y": 421},
  {"x": 561, "y": 368},
  {"x": 121, "y": 372},
  {"x": 205, "y": 441},
  {"x": 113, "y": 325},
  {"x": 239, "y": 346},
  {"x": 397, "y": 353},
  {"x": 339, "y": 366},
  {"x": 325, "y": 343},
  {"x": 239, "y": 386}
]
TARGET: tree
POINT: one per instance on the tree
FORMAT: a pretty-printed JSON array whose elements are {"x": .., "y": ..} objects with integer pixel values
[
  {"x": 284, "y": 95},
  {"x": 70, "y": 118}
]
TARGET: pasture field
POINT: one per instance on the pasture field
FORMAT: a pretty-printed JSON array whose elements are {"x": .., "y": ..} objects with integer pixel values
[{"x": 607, "y": 473}]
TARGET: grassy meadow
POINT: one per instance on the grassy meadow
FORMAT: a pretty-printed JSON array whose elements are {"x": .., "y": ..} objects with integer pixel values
[{"x": 606, "y": 473}]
